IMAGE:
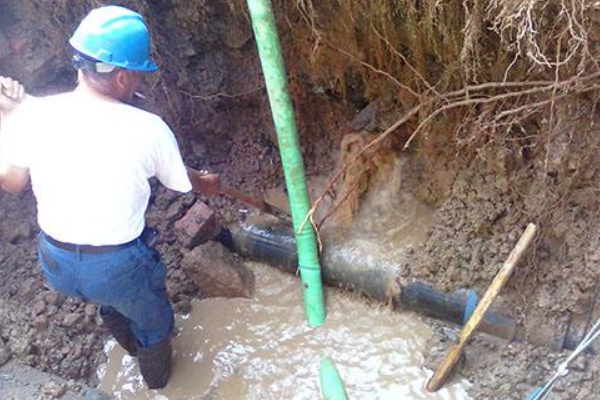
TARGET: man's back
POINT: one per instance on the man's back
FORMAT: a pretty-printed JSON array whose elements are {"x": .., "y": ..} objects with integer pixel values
[{"x": 90, "y": 159}]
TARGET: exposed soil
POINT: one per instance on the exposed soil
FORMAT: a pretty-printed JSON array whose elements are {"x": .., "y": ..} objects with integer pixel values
[
  {"x": 21, "y": 382},
  {"x": 485, "y": 188}
]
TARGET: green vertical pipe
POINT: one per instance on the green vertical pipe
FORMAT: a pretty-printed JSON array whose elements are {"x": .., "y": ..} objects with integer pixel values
[
  {"x": 332, "y": 386},
  {"x": 269, "y": 49}
]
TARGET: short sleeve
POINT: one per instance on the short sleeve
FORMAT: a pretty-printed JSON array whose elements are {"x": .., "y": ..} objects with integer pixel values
[
  {"x": 17, "y": 137},
  {"x": 170, "y": 169}
]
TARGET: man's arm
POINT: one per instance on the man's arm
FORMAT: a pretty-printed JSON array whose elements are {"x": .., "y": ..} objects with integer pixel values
[{"x": 13, "y": 179}]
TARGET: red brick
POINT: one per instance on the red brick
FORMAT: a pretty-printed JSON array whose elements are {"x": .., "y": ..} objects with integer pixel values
[{"x": 199, "y": 225}]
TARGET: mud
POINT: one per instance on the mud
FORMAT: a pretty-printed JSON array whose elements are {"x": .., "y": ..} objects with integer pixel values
[
  {"x": 475, "y": 230},
  {"x": 483, "y": 187},
  {"x": 20, "y": 383}
]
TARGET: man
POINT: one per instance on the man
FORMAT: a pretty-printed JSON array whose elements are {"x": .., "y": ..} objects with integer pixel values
[{"x": 89, "y": 156}]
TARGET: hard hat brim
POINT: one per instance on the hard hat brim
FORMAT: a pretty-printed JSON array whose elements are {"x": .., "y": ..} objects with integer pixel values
[{"x": 148, "y": 66}]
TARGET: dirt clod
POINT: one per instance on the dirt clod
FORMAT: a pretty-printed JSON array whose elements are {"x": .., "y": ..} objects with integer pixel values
[{"x": 54, "y": 390}]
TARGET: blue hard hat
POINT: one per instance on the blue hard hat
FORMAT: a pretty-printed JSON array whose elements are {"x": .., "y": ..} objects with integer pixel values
[{"x": 117, "y": 36}]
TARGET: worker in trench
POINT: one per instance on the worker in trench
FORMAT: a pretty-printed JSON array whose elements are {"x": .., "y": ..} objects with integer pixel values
[{"x": 89, "y": 155}]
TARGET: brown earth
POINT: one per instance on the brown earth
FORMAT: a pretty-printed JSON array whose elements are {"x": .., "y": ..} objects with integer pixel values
[{"x": 485, "y": 186}]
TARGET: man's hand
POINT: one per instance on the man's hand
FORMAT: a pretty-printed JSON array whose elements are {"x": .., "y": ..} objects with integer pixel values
[
  {"x": 12, "y": 94},
  {"x": 12, "y": 179},
  {"x": 204, "y": 182}
]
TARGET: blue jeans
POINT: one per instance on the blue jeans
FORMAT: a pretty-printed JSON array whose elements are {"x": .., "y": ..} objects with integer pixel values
[{"x": 129, "y": 280}]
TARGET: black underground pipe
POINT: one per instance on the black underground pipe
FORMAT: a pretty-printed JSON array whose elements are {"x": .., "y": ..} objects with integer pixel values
[
  {"x": 420, "y": 297},
  {"x": 274, "y": 243}
]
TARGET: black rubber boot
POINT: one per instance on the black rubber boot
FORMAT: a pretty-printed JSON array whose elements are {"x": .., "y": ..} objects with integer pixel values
[
  {"x": 155, "y": 363},
  {"x": 120, "y": 328}
]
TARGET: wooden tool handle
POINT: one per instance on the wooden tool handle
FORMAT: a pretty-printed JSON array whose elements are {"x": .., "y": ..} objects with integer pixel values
[{"x": 438, "y": 379}]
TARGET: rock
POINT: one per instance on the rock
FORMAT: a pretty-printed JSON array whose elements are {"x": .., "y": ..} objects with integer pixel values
[
  {"x": 198, "y": 226},
  {"x": 91, "y": 339},
  {"x": 217, "y": 272},
  {"x": 5, "y": 353},
  {"x": 54, "y": 390},
  {"x": 40, "y": 323},
  {"x": 71, "y": 319},
  {"x": 30, "y": 286},
  {"x": 53, "y": 298},
  {"x": 90, "y": 310},
  {"x": 578, "y": 364},
  {"x": 39, "y": 307},
  {"x": 52, "y": 309}
]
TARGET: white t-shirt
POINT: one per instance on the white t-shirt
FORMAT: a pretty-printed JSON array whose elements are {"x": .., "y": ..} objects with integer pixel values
[{"x": 90, "y": 161}]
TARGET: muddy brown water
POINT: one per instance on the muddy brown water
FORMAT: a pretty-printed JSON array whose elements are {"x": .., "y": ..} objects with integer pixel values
[{"x": 263, "y": 348}]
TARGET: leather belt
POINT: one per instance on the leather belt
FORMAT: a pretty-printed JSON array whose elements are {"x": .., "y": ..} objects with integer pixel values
[{"x": 86, "y": 248}]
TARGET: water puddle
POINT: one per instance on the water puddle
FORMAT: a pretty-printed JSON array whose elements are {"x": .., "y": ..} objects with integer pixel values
[{"x": 263, "y": 349}]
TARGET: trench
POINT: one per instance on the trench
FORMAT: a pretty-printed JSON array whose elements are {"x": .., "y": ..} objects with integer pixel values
[
  {"x": 484, "y": 185},
  {"x": 263, "y": 348}
]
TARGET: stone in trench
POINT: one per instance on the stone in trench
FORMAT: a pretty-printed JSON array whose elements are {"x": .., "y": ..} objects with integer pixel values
[
  {"x": 198, "y": 226},
  {"x": 90, "y": 310},
  {"x": 54, "y": 390},
  {"x": 53, "y": 298},
  {"x": 39, "y": 307},
  {"x": 40, "y": 323},
  {"x": 71, "y": 319},
  {"x": 30, "y": 286},
  {"x": 217, "y": 272}
]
